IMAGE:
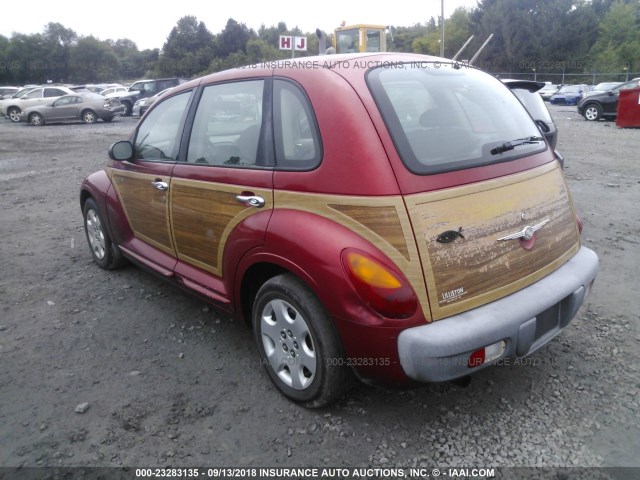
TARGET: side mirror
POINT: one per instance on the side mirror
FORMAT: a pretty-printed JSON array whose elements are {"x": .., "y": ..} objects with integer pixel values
[
  {"x": 120, "y": 151},
  {"x": 542, "y": 126}
]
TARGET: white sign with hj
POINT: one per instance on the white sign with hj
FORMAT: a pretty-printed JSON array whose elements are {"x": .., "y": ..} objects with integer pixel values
[{"x": 289, "y": 42}]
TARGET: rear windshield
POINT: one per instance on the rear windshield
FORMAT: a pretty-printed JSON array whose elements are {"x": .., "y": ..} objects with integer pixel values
[{"x": 445, "y": 117}]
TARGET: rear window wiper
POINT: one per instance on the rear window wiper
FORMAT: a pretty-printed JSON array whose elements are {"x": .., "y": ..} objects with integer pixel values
[{"x": 506, "y": 146}]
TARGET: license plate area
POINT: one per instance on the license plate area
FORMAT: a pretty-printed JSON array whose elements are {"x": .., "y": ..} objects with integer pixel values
[{"x": 547, "y": 321}]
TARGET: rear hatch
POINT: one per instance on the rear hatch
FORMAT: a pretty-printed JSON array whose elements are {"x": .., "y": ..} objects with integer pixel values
[
  {"x": 482, "y": 232},
  {"x": 472, "y": 239}
]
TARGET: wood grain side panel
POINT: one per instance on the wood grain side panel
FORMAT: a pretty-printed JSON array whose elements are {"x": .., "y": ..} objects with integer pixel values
[
  {"x": 145, "y": 207},
  {"x": 383, "y": 221},
  {"x": 366, "y": 216},
  {"x": 477, "y": 268},
  {"x": 204, "y": 213}
]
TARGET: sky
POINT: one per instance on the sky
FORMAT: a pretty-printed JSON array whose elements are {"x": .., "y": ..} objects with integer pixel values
[{"x": 148, "y": 23}]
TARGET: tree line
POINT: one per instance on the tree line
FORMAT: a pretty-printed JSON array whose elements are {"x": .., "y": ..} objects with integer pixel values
[{"x": 575, "y": 36}]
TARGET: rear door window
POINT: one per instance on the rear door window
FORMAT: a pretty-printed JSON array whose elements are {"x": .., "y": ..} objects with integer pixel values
[
  {"x": 228, "y": 124},
  {"x": 54, "y": 92}
]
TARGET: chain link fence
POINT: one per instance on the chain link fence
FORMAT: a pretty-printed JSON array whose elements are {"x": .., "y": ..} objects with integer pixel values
[{"x": 571, "y": 78}]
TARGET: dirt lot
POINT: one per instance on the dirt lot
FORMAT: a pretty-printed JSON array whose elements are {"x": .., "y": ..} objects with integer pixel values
[{"x": 167, "y": 382}]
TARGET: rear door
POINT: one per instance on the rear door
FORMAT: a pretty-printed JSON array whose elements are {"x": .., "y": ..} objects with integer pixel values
[{"x": 224, "y": 185}]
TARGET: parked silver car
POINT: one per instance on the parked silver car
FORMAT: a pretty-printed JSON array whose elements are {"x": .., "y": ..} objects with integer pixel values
[
  {"x": 548, "y": 91},
  {"x": 84, "y": 107},
  {"x": 35, "y": 97}
]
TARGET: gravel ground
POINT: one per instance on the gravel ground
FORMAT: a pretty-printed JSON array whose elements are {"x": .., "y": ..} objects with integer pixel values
[{"x": 119, "y": 369}]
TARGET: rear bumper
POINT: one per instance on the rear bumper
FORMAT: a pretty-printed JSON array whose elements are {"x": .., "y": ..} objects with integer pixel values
[{"x": 524, "y": 321}]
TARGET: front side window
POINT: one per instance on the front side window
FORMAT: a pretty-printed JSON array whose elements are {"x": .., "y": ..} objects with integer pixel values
[
  {"x": 158, "y": 136},
  {"x": 136, "y": 87},
  {"x": 164, "y": 84},
  {"x": 444, "y": 117},
  {"x": 628, "y": 85},
  {"x": 149, "y": 88},
  {"x": 66, "y": 101},
  {"x": 227, "y": 126},
  {"x": 37, "y": 93},
  {"x": 296, "y": 134}
]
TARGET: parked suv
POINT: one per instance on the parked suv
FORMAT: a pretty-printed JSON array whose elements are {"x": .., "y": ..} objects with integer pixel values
[
  {"x": 144, "y": 89},
  {"x": 394, "y": 216},
  {"x": 604, "y": 104}
]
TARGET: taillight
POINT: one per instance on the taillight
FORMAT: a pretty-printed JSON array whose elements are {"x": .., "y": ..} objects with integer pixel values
[{"x": 384, "y": 290}]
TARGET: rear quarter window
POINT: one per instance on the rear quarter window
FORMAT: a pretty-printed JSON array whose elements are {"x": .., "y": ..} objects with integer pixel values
[{"x": 297, "y": 138}]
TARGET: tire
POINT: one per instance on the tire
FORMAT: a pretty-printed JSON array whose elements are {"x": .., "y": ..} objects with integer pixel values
[
  {"x": 298, "y": 344},
  {"x": 36, "y": 119},
  {"x": 89, "y": 116},
  {"x": 14, "y": 114},
  {"x": 592, "y": 112},
  {"x": 128, "y": 108},
  {"x": 104, "y": 252}
]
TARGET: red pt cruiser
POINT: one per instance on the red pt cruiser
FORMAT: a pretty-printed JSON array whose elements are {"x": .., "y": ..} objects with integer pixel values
[{"x": 394, "y": 216}]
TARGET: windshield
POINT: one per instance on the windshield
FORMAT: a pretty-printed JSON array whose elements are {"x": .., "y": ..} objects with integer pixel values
[
  {"x": 444, "y": 117},
  {"x": 137, "y": 87},
  {"x": 348, "y": 41},
  {"x": 625, "y": 86},
  {"x": 571, "y": 89},
  {"x": 22, "y": 92},
  {"x": 606, "y": 86}
]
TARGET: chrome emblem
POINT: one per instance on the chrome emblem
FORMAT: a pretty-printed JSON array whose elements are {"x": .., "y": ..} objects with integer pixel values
[{"x": 527, "y": 232}]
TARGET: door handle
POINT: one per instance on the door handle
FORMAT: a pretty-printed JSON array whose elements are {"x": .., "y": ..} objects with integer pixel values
[
  {"x": 251, "y": 200},
  {"x": 160, "y": 185}
]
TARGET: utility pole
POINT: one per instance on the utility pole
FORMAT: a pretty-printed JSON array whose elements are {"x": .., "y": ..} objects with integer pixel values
[{"x": 442, "y": 28}]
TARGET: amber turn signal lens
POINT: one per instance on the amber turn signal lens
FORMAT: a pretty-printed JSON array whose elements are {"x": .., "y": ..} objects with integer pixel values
[
  {"x": 385, "y": 291},
  {"x": 370, "y": 272}
]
